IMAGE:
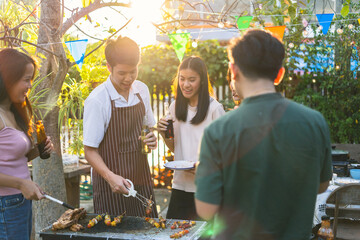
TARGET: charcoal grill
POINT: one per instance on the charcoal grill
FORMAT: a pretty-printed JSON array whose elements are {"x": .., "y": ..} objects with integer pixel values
[
  {"x": 129, "y": 228},
  {"x": 340, "y": 162}
]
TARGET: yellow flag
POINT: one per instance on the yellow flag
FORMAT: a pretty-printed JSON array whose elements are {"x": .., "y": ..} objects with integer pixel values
[{"x": 86, "y": 3}]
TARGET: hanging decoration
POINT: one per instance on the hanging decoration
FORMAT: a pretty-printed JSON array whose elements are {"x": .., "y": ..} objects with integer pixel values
[
  {"x": 243, "y": 22},
  {"x": 77, "y": 49},
  {"x": 359, "y": 20},
  {"x": 179, "y": 42},
  {"x": 277, "y": 31},
  {"x": 305, "y": 22},
  {"x": 325, "y": 21},
  {"x": 320, "y": 62}
]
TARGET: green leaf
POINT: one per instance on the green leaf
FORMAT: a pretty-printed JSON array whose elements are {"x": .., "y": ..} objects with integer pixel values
[
  {"x": 292, "y": 11},
  {"x": 345, "y": 10},
  {"x": 111, "y": 30}
]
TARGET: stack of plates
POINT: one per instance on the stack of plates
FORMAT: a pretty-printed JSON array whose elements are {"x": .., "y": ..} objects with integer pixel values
[
  {"x": 345, "y": 180},
  {"x": 180, "y": 165}
]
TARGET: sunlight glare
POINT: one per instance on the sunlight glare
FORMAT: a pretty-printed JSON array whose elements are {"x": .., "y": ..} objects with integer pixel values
[{"x": 145, "y": 12}]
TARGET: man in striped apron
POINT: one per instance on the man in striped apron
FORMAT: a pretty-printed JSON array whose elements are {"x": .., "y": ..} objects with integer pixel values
[{"x": 113, "y": 118}]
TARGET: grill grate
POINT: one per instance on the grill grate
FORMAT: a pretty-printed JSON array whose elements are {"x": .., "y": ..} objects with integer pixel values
[{"x": 130, "y": 228}]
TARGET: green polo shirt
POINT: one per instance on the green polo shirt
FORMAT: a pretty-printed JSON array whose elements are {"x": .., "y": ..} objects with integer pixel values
[{"x": 263, "y": 163}]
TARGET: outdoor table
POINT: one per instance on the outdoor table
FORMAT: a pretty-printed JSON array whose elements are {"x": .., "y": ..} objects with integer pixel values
[
  {"x": 320, "y": 206},
  {"x": 129, "y": 228},
  {"x": 72, "y": 175}
]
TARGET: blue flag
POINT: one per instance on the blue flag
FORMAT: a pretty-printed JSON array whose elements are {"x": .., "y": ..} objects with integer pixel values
[
  {"x": 325, "y": 21},
  {"x": 77, "y": 49}
]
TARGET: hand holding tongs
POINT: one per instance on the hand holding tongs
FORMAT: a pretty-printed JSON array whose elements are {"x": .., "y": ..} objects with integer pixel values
[{"x": 133, "y": 193}]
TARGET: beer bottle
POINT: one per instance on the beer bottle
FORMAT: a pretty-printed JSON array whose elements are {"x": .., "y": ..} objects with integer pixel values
[
  {"x": 325, "y": 232},
  {"x": 41, "y": 139},
  {"x": 169, "y": 133},
  {"x": 144, "y": 131}
]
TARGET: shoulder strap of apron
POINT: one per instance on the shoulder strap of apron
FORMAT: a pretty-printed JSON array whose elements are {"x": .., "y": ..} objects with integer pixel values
[{"x": 139, "y": 97}]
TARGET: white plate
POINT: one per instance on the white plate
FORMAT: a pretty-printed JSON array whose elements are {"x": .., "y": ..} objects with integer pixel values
[{"x": 180, "y": 165}]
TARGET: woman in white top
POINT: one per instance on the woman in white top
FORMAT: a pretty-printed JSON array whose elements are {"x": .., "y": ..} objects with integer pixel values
[{"x": 193, "y": 110}]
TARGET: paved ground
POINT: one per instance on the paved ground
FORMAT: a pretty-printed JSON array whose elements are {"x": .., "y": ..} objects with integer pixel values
[{"x": 162, "y": 197}]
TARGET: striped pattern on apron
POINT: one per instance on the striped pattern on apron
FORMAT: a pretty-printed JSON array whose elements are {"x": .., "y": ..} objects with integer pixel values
[{"x": 121, "y": 152}]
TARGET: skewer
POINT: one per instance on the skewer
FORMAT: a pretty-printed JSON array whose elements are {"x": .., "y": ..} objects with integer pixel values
[
  {"x": 144, "y": 200},
  {"x": 133, "y": 193}
]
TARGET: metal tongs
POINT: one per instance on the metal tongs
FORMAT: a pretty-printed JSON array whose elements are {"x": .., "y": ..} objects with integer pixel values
[
  {"x": 59, "y": 202},
  {"x": 133, "y": 193}
]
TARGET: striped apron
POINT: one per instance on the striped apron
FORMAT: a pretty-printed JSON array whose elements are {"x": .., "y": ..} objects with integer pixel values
[{"x": 121, "y": 152}]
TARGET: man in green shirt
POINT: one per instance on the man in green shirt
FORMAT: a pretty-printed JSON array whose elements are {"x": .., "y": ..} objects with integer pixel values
[{"x": 262, "y": 165}]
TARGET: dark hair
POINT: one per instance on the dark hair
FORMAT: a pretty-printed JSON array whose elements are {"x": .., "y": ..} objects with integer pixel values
[
  {"x": 12, "y": 68},
  {"x": 122, "y": 50},
  {"x": 258, "y": 54},
  {"x": 181, "y": 105}
]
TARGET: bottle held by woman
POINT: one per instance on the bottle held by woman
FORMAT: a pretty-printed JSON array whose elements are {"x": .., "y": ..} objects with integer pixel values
[
  {"x": 41, "y": 140},
  {"x": 169, "y": 133}
]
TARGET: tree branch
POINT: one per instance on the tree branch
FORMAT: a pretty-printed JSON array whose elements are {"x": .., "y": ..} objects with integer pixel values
[
  {"x": 18, "y": 26},
  {"x": 87, "y": 34},
  {"x": 103, "y": 41},
  {"x": 35, "y": 45},
  {"x": 85, "y": 11}
]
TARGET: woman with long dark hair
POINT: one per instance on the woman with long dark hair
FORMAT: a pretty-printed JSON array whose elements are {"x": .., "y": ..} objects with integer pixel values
[
  {"x": 193, "y": 110},
  {"x": 17, "y": 70}
]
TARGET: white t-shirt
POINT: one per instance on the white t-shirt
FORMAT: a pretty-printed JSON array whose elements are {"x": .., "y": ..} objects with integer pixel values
[
  {"x": 97, "y": 110},
  {"x": 187, "y": 139}
]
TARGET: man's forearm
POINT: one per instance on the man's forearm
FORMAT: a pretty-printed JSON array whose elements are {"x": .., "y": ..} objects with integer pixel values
[
  {"x": 206, "y": 210},
  {"x": 95, "y": 160}
]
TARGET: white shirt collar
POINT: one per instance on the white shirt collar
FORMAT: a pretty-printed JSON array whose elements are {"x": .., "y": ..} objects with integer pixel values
[{"x": 115, "y": 95}]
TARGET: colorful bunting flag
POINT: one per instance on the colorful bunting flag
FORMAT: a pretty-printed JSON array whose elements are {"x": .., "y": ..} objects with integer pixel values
[
  {"x": 179, "y": 42},
  {"x": 77, "y": 49},
  {"x": 359, "y": 20},
  {"x": 277, "y": 31},
  {"x": 325, "y": 21},
  {"x": 243, "y": 22}
]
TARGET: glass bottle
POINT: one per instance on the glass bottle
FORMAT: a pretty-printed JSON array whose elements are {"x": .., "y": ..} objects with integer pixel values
[
  {"x": 325, "y": 232},
  {"x": 41, "y": 140},
  {"x": 169, "y": 133},
  {"x": 144, "y": 131}
]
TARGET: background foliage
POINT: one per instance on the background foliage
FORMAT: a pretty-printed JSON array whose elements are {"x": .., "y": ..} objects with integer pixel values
[
  {"x": 332, "y": 89},
  {"x": 159, "y": 62}
]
